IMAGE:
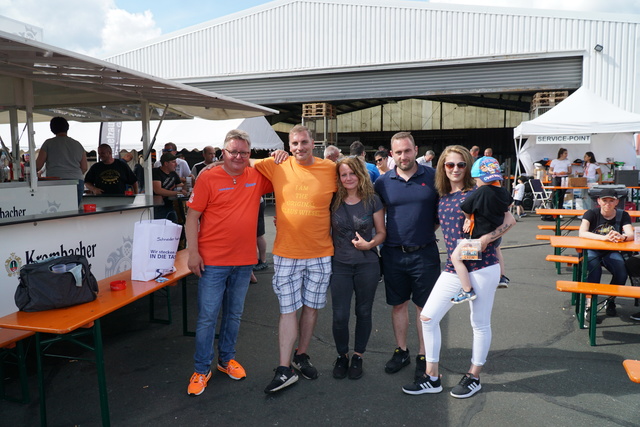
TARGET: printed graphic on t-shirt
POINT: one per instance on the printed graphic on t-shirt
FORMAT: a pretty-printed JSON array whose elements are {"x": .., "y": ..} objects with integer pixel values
[{"x": 603, "y": 229}]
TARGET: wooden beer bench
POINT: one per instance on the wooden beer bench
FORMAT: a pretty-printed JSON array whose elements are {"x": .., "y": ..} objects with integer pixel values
[
  {"x": 562, "y": 227},
  {"x": 594, "y": 289},
  {"x": 633, "y": 369}
]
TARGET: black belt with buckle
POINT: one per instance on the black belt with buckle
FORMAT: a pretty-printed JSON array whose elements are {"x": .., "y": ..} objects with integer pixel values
[{"x": 409, "y": 249}]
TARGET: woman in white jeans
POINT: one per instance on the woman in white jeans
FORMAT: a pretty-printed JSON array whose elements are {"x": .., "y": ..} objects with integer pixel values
[{"x": 454, "y": 184}]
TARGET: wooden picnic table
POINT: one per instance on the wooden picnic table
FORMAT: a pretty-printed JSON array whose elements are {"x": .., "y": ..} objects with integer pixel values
[{"x": 581, "y": 245}]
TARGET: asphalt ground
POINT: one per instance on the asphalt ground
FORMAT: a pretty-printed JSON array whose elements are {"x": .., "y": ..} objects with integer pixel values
[{"x": 541, "y": 370}]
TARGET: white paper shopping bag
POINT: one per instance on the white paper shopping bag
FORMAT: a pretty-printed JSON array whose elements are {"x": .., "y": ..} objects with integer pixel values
[{"x": 155, "y": 243}]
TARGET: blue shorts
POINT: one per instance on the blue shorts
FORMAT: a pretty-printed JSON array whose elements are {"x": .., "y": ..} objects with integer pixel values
[{"x": 410, "y": 275}]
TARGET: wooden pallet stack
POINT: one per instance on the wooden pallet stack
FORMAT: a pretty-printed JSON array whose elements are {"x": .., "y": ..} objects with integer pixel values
[
  {"x": 544, "y": 101},
  {"x": 318, "y": 109}
]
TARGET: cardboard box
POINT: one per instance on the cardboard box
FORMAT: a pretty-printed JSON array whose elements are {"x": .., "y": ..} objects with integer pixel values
[{"x": 577, "y": 182}]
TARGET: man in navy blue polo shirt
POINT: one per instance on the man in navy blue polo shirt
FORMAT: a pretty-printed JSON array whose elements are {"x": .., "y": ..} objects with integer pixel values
[{"x": 410, "y": 259}]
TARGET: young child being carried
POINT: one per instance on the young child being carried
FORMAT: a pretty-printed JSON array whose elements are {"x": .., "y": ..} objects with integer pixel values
[{"x": 484, "y": 211}]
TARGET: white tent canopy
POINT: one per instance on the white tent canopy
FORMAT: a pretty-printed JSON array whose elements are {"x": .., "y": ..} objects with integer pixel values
[
  {"x": 189, "y": 134},
  {"x": 609, "y": 128}
]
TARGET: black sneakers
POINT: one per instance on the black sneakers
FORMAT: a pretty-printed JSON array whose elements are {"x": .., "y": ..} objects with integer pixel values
[
  {"x": 285, "y": 376},
  {"x": 421, "y": 367},
  {"x": 504, "y": 281},
  {"x": 467, "y": 387},
  {"x": 303, "y": 365},
  {"x": 355, "y": 370},
  {"x": 260, "y": 266},
  {"x": 423, "y": 385},
  {"x": 611, "y": 308},
  {"x": 635, "y": 316},
  {"x": 399, "y": 360},
  {"x": 341, "y": 367}
]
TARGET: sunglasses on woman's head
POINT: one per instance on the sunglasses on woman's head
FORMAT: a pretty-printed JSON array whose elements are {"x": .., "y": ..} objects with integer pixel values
[{"x": 461, "y": 165}]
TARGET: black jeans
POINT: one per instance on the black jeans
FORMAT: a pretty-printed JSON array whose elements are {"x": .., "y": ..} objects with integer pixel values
[
  {"x": 347, "y": 279},
  {"x": 558, "y": 195}
]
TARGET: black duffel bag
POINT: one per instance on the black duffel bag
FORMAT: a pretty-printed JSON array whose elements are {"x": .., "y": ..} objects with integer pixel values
[
  {"x": 632, "y": 263},
  {"x": 56, "y": 283}
]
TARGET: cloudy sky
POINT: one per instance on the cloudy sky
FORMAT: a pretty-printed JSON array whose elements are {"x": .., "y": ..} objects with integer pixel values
[{"x": 103, "y": 27}]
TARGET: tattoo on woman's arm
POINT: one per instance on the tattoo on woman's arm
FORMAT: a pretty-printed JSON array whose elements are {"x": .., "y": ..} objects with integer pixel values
[{"x": 500, "y": 231}]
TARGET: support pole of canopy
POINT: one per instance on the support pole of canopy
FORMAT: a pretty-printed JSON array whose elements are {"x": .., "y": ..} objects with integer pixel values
[
  {"x": 15, "y": 142},
  {"x": 146, "y": 147},
  {"x": 28, "y": 100}
]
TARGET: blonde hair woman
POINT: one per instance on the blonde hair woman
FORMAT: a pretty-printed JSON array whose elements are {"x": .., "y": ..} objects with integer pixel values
[
  {"x": 455, "y": 184},
  {"x": 356, "y": 213}
]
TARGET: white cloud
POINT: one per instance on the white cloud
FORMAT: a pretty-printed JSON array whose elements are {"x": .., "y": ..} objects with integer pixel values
[
  {"x": 92, "y": 27},
  {"x": 122, "y": 30}
]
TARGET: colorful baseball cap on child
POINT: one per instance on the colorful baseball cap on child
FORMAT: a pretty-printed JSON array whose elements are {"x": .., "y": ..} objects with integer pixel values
[{"x": 487, "y": 169}]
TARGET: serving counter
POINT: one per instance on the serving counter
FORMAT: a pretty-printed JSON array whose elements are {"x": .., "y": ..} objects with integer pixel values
[
  {"x": 18, "y": 199},
  {"x": 105, "y": 237}
]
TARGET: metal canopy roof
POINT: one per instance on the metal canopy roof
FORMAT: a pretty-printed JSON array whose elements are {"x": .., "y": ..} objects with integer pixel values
[{"x": 82, "y": 88}]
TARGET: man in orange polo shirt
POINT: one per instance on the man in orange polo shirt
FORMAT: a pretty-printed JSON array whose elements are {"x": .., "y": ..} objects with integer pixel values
[
  {"x": 304, "y": 186},
  {"x": 223, "y": 208}
]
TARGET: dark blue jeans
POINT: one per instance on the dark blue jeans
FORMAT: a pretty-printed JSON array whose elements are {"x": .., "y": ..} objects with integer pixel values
[
  {"x": 346, "y": 280},
  {"x": 612, "y": 261},
  {"x": 226, "y": 287}
]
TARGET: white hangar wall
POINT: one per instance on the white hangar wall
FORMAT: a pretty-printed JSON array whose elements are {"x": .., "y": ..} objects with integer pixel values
[{"x": 320, "y": 36}]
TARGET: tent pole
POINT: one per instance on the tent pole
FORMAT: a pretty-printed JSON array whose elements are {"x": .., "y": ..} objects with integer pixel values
[
  {"x": 518, "y": 146},
  {"x": 148, "y": 179},
  {"x": 27, "y": 86}
]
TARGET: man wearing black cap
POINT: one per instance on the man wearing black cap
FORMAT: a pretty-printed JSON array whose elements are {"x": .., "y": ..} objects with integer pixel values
[
  {"x": 610, "y": 224},
  {"x": 165, "y": 181}
]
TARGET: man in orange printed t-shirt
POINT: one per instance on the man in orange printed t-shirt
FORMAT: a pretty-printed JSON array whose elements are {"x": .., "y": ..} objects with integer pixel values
[
  {"x": 223, "y": 208},
  {"x": 303, "y": 186}
]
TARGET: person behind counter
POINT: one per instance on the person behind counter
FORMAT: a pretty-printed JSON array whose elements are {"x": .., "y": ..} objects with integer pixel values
[
  {"x": 182, "y": 167},
  {"x": 109, "y": 176},
  {"x": 593, "y": 173},
  {"x": 63, "y": 156},
  {"x": 560, "y": 168},
  {"x": 592, "y": 170},
  {"x": 209, "y": 156},
  {"x": 165, "y": 183}
]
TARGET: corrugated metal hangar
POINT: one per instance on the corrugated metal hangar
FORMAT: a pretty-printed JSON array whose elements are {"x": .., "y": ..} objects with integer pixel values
[{"x": 449, "y": 73}]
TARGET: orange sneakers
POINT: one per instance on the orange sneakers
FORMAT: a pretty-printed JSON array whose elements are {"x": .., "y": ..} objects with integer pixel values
[
  {"x": 198, "y": 383},
  {"x": 233, "y": 369}
]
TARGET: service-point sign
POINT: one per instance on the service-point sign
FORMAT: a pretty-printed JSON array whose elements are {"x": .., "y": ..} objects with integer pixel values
[{"x": 563, "y": 139}]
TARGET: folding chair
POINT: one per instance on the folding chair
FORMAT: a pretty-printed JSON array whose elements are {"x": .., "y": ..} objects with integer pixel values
[{"x": 541, "y": 197}]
